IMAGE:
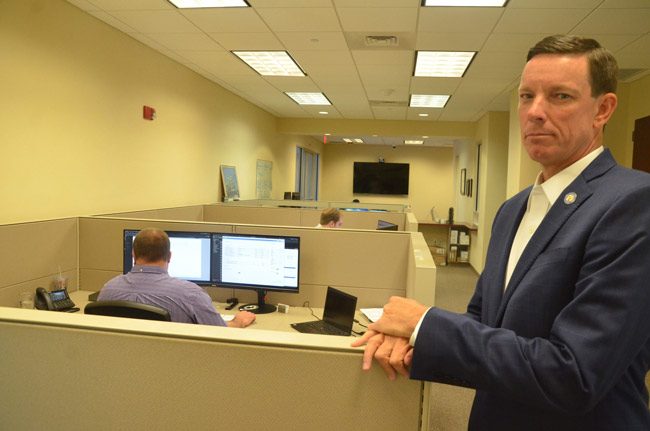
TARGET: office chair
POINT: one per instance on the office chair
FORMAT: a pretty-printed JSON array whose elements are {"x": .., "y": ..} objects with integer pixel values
[{"x": 134, "y": 310}]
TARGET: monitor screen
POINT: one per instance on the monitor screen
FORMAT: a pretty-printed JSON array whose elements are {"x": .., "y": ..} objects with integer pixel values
[
  {"x": 259, "y": 262},
  {"x": 191, "y": 255},
  {"x": 250, "y": 261}
]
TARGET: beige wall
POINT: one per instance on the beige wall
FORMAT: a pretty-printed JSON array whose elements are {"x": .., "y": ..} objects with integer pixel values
[
  {"x": 430, "y": 172},
  {"x": 73, "y": 138}
]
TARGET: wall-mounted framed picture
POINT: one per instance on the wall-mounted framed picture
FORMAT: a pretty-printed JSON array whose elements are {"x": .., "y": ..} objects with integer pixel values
[
  {"x": 463, "y": 181},
  {"x": 229, "y": 183}
]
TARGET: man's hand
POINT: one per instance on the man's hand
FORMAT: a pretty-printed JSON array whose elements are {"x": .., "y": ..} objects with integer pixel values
[
  {"x": 400, "y": 317},
  {"x": 242, "y": 319},
  {"x": 394, "y": 354}
]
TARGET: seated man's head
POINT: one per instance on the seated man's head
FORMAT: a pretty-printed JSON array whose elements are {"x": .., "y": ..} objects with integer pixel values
[
  {"x": 331, "y": 217},
  {"x": 151, "y": 247}
]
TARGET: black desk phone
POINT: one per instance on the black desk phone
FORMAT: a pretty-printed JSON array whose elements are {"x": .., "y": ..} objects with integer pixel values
[{"x": 56, "y": 300}]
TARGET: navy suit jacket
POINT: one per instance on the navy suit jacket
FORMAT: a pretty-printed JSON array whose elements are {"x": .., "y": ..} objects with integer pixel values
[{"x": 566, "y": 346}]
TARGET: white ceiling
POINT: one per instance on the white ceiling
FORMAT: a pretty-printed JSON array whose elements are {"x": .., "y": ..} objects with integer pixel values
[{"x": 327, "y": 39}]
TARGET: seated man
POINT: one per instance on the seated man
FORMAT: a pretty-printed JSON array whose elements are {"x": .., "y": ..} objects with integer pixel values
[
  {"x": 149, "y": 283},
  {"x": 330, "y": 218}
]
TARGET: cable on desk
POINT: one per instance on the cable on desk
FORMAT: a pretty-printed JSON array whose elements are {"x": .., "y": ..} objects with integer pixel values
[
  {"x": 306, "y": 304},
  {"x": 360, "y": 324}
]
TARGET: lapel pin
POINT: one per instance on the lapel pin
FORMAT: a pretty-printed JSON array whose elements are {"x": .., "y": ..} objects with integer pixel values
[{"x": 570, "y": 198}]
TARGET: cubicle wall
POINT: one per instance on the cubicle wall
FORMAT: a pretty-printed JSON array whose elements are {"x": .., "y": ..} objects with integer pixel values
[
  {"x": 187, "y": 213},
  {"x": 289, "y": 214},
  {"x": 307, "y": 217},
  {"x": 32, "y": 254},
  {"x": 370, "y": 265},
  {"x": 80, "y": 372}
]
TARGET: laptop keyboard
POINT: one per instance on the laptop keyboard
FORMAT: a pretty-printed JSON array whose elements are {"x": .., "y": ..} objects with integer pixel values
[{"x": 319, "y": 327}]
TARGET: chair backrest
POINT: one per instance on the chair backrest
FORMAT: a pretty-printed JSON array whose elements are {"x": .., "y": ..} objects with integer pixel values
[{"x": 130, "y": 309}]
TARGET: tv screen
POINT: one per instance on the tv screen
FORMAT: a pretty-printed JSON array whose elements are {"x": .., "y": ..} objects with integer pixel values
[{"x": 381, "y": 178}]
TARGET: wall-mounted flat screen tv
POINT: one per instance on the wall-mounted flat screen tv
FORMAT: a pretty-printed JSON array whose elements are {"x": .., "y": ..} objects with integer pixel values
[{"x": 381, "y": 178}]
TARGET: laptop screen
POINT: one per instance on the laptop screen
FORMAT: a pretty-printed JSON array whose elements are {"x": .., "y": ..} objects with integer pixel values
[{"x": 339, "y": 309}]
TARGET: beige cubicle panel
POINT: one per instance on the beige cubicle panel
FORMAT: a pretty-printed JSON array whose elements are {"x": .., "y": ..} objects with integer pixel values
[
  {"x": 251, "y": 215},
  {"x": 187, "y": 213},
  {"x": 83, "y": 372},
  {"x": 33, "y": 254}
]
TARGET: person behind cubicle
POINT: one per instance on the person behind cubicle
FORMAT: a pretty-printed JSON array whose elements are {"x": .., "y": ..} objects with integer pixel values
[
  {"x": 557, "y": 333},
  {"x": 330, "y": 218},
  {"x": 148, "y": 282}
]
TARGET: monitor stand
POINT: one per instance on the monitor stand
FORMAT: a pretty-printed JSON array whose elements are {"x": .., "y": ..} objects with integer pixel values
[{"x": 261, "y": 307}]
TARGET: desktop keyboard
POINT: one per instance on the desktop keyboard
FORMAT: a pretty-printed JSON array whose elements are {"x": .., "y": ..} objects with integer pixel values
[{"x": 319, "y": 327}]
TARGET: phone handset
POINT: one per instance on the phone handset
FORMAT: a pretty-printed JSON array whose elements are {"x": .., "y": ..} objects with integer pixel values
[
  {"x": 42, "y": 300},
  {"x": 57, "y": 300}
]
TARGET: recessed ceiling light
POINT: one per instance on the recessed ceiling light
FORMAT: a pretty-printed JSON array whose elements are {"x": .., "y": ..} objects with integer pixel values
[
  {"x": 477, "y": 3},
  {"x": 194, "y": 4},
  {"x": 348, "y": 140},
  {"x": 425, "y": 137},
  {"x": 442, "y": 63},
  {"x": 270, "y": 63},
  {"x": 413, "y": 142},
  {"x": 358, "y": 141},
  {"x": 309, "y": 98},
  {"x": 428, "y": 100},
  {"x": 323, "y": 112},
  {"x": 327, "y": 134},
  {"x": 423, "y": 115}
]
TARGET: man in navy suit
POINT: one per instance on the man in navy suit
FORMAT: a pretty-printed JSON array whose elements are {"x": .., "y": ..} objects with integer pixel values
[{"x": 557, "y": 334}]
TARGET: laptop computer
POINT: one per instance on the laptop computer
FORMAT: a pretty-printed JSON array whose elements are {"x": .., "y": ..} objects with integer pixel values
[{"x": 338, "y": 315}]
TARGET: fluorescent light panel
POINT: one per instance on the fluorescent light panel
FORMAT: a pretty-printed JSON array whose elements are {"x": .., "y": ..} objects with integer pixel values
[
  {"x": 413, "y": 142},
  {"x": 195, "y": 4},
  {"x": 447, "y": 64},
  {"x": 475, "y": 3},
  {"x": 309, "y": 98},
  {"x": 270, "y": 63},
  {"x": 428, "y": 100}
]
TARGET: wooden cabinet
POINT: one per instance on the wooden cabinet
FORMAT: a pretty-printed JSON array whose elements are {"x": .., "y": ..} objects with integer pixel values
[{"x": 448, "y": 243}]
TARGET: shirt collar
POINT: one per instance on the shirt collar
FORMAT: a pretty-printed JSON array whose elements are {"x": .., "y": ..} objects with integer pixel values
[
  {"x": 554, "y": 186},
  {"x": 152, "y": 269}
]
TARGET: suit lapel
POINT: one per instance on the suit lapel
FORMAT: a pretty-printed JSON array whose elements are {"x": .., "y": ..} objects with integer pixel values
[{"x": 577, "y": 193}]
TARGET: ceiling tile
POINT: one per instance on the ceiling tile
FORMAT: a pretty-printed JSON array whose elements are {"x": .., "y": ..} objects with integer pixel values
[
  {"x": 228, "y": 20},
  {"x": 378, "y": 19},
  {"x": 300, "y": 19},
  {"x": 458, "y": 19},
  {"x": 220, "y": 64},
  {"x": 553, "y": 4},
  {"x": 616, "y": 21},
  {"x": 427, "y": 85},
  {"x": 115, "y": 5},
  {"x": 618, "y": 4},
  {"x": 111, "y": 20},
  {"x": 185, "y": 41},
  {"x": 261, "y": 4},
  {"x": 376, "y": 3},
  {"x": 548, "y": 21},
  {"x": 313, "y": 41},
  {"x": 428, "y": 41},
  {"x": 264, "y": 41},
  {"x": 636, "y": 55}
]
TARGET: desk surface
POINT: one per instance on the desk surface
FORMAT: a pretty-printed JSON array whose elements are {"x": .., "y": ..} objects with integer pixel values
[{"x": 272, "y": 321}]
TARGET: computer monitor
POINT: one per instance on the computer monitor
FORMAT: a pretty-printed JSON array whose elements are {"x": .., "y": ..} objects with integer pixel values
[
  {"x": 386, "y": 225},
  {"x": 259, "y": 262},
  {"x": 191, "y": 255},
  {"x": 245, "y": 261}
]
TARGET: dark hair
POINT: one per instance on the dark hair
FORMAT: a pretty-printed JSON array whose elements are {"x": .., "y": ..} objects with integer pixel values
[
  {"x": 603, "y": 69},
  {"x": 329, "y": 215},
  {"x": 151, "y": 245}
]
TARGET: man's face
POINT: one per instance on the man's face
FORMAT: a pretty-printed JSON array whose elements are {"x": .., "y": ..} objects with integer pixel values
[{"x": 560, "y": 120}]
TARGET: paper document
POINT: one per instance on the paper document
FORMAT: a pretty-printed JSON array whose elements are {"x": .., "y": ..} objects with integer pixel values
[{"x": 373, "y": 314}]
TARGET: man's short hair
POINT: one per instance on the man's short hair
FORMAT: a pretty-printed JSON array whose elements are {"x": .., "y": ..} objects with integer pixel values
[
  {"x": 329, "y": 215},
  {"x": 603, "y": 69},
  {"x": 151, "y": 245}
]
